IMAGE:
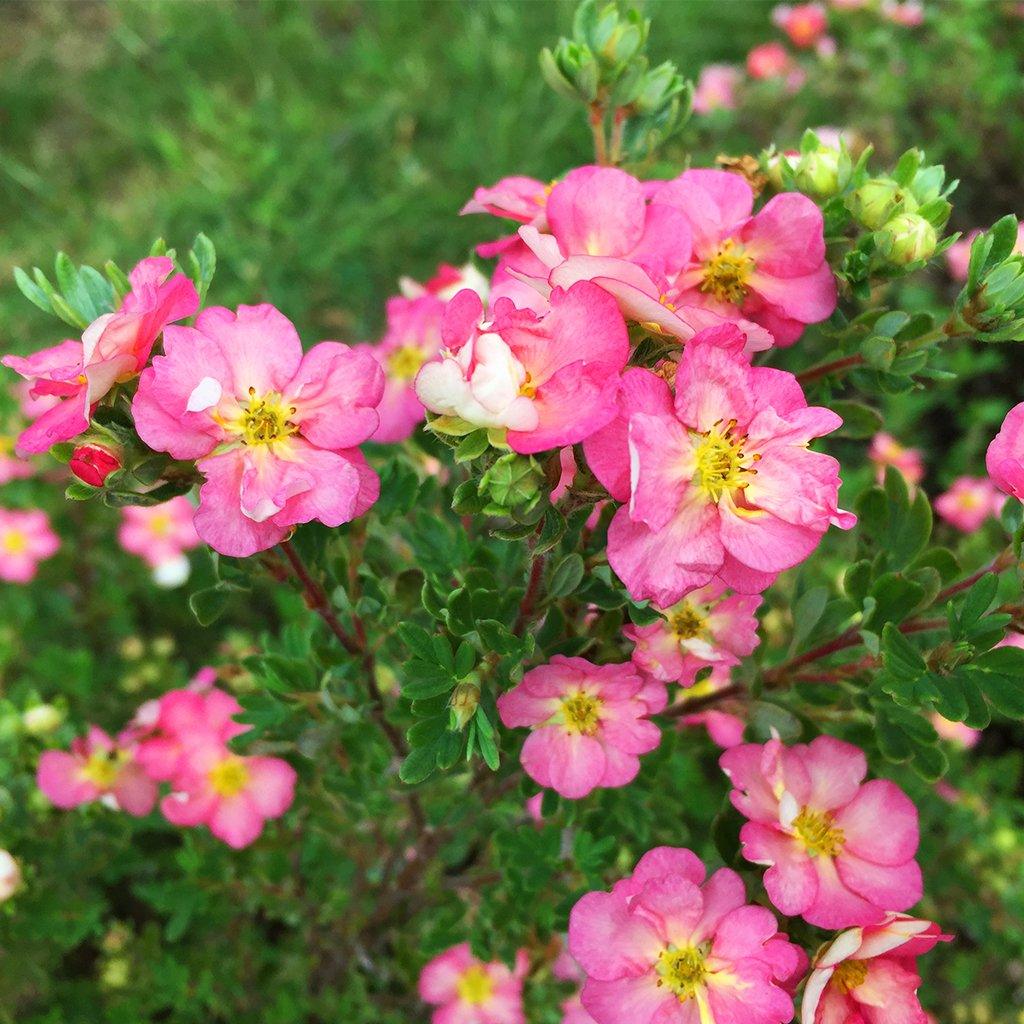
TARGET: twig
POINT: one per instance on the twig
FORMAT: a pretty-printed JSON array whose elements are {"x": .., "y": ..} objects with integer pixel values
[{"x": 849, "y": 363}]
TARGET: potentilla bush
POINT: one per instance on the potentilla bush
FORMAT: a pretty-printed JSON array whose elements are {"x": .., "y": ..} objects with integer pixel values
[{"x": 601, "y": 661}]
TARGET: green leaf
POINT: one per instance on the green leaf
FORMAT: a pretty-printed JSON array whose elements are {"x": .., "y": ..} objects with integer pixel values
[
  {"x": 417, "y": 639},
  {"x": 859, "y": 420},
  {"x": 465, "y": 660},
  {"x": 419, "y": 764},
  {"x": 78, "y": 490},
  {"x": 978, "y": 599},
  {"x": 472, "y": 446},
  {"x": 202, "y": 261},
  {"x": 900, "y": 657},
  {"x": 422, "y": 680},
  {"x": 208, "y": 605},
  {"x": 567, "y": 576},
  {"x": 806, "y": 613},
  {"x": 32, "y": 291},
  {"x": 551, "y": 532}
]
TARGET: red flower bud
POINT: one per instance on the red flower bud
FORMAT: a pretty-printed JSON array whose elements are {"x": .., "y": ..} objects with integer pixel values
[{"x": 92, "y": 463}]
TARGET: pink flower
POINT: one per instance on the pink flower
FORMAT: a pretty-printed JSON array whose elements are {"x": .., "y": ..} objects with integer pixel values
[
  {"x": 12, "y": 467},
  {"x": 815, "y": 823},
  {"x": 768, "y": 267},
  {"x": 97, "y": 767},
  {"x": 25, "y": 540},
  {"x": 909, "y": 13},
  {"x": 769, "y": 60},
  {"x": 158, "y": 534},
  {"x": 716, "y": 88},
  {"x": 667, "y": 947},
  {"x": 886, "y": 451},
  {"x": 516, "y": 198},
  {"x": 957, "y": 733},
  {"x": 868, "y": 975},
  {"x": 548, "y": 380},
  {"x": 724, "y": 485},
  {"x": 573, "y": 1011},
  {"x": 465, "y": 990},
  {"x": 114, "y": 348},
  {"x": 1004, "y": 459},
  {"x": 705, "y": 629},
  {"x": 969, "y": 502},
  {"x": 231, "y": 794},
  {"x": 805, "y": 24},
  {"x": 589, "y": 723},
  {"x": 275, "y": 431}
]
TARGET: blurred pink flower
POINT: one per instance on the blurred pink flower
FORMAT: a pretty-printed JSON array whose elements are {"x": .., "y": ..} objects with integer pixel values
[
  {"x": 25, "y": 540},
  {"x": 885, "y": 450},
  {"x": 969, "y": 502},
  {"x": 805, "y": 24},
  {"x": 465, "y": 990},
  {"x": 158, "y": 533},
  {"x": 909, "y": 13},
  {"x": 716, "y": 88},
  {"x": 769, "y": 60}
]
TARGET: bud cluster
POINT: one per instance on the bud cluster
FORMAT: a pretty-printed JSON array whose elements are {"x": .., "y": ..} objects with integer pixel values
[{"x": 991, "y": 303}]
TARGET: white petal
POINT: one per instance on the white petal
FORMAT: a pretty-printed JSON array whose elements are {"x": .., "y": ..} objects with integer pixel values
[{"x": 205, "y": 395}]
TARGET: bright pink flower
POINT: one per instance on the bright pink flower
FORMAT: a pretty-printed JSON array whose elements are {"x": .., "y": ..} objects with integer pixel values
[
  {"x": 769, "y": 60},
  {"x": 969, "y": 502},
  {"x": 516, "y": 198},
  {"x": 886, "y": 451},
  {"x": 868, "y": 975},
  {"x": 667, "y": 947},
  {"x": 114, "y": 348},
  {"x": 724, "y": 486},
  {"x": 97, "y": 767},
  {"x": 93, "y": 463},
  {"x": 465, "y": 990},
  {"x": 768, "y": 267},
  {"x": 549, "y": 380},
  {"x": 182, "y": 719},
  {"x": 231, "y": 794},
  {"x": 706, "y": 628},
  {"x": 805, "y": 24},
  {"x": 1004, "y": 459},
  {"x": 589, "y": 723},
  {"x": 158, "y": 533},
  {"x": 957, "y": 733},
  {"x": 25, "y": 540},
  {"x": 573, "y": 1011},
  {"x": 909, "y": 13},
  {"x": 815, "y": 823},
  {"x": 275, "y": 431},
  {"x": 716, "y": 88}
]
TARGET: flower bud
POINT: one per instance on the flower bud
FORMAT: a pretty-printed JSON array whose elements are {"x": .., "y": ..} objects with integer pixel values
[
  {"x": 512, "y": 484},
  {"x": 907, "y": 238},
  {"x": 93, "y": 463},
  {"x": 41, "y": 719},
  {"x": 464, "y": 701},
  {"x": 818, "y": 172},
  {"x": 876, "y": 201}
]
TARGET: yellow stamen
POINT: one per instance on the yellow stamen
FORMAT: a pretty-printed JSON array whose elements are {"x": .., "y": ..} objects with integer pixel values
[
  {"x": 849, "y": 975},
  {"x": 103, "y": 768},
  {"x": 14, "y": 542},
  {"x": 582, "y": 713},
  {"x": 682, "y": 970},
  {"x": 265, "y": 419},
  {"x": 229, "y": 777},
  {"x": 721, "y": 462},
  {"x": 818, "y": 833},
  {"x": 528, "y": 389},
  {"x": 726, "y": 273},
  {"x": 405, "y": 362},
  {"x": 687, "y": 621},
  {"x": 160, "y": 524},
  {"x": 475, "y": 986}
]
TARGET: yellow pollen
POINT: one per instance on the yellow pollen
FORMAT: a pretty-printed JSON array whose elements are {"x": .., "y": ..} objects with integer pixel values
[
  {"x": 229, "y": 777},
  {"x": 682, "y": 970},
  {"x": 265, "y": 420},
  {"x": 726, "y": 273},
  {"x": 160, "y": 524},
  {"x": 686, "y": 621},
  {"x": 475, "y": 986},
  {"x": 582, "y": 713},
  {"x": 528, "y": 389},
  {"x": 404, "y": 363},
  {"x": 670, "y": 306},
  {"x": 849, "y": 975},
  {"x": 816, "y": 831},
  {"x": 103, "y": 768},
  {"x": 721, "y": 462},
  {"x": 14, "y": 542}
]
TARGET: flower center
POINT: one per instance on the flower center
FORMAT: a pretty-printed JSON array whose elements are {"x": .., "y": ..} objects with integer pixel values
[
  {"x": 817, "y": 832},
  {"x": 404, "y": 363},
  {"x": 265, "y": 419},
  {"x": 582, "y": 713},
  {"x": 475, "y": 986},
  {"x": 14, "y": 542},
  {"x": 720, "y": 461},
  {"x": 229, "y": 777},
  {"x": 686, "y": 622},
  {"x": 103, "y": 768},
  {"x": 682, "y": 969},
  {"x": 160, "y": 524},
  {"x": 849, "y": 974},
  {"x": 528, "y": 389},
  {"x": 726, "y": 273}
]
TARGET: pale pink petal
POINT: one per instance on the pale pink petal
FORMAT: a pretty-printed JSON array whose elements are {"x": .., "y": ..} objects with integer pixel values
[
  {"x": 608, "y": 941},
  {"x": 59, "y": 776}
]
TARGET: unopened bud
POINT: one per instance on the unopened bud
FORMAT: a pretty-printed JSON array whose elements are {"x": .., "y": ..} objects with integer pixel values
[
  {"x": 41, "y": 719},
  {"x": 464, "y": 701},
  {"x": 907, "y": 238},
  {"x": 93, "y": 463},
  {"x": 818, "y": 172},
  {"x": 875, "y": 202},
  {"x": 513, "y": 483}
]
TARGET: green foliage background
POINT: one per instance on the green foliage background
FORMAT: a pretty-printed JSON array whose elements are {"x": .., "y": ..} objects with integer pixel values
[{"x": 326, "y": 148}]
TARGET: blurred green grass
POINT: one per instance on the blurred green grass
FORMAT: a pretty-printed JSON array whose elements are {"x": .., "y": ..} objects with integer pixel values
[{"x": 326, "y": 148}]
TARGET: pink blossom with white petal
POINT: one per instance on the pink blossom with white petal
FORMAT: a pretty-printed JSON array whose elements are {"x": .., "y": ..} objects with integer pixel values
[
  {"x": 547, "y": 380},
  {"x": 158, "y": 534},
  {"x": 815, "y": 823},
  {"x": 97, "y": 768},
  {"x": 274, "y": 429},
  {"x": 465, "y": 990},
  {"x": 969, "y": 502},
  {"x": 669, "y": 946},
  {"x": 768, "y": 267},
  {"x": 113, "y": 348},
  {"x": 724, "y": 485},
  {"x": 1004, "y": 459},
  {"x": 588, "y": 723},
  {"x": 868, "y": 975},
  {"x": 706, "y": 628},
  {"x": 25, "y": 540}
]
